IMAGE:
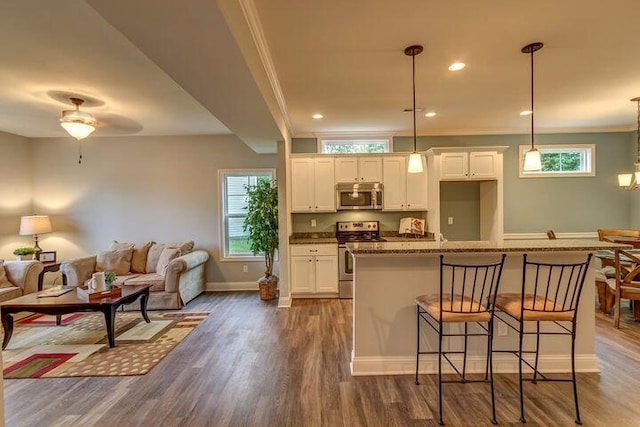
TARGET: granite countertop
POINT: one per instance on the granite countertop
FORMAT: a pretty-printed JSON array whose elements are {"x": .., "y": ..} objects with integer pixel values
[
  {"x": 432, "y": 247},
  {"x": 312, "y": 238}
]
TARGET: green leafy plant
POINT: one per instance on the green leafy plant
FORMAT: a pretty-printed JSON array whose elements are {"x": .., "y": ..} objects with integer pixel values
[
  {"x": 24, "y": 251},
  {"x": 262, "y": 220},
  {"x": 109, "y": 276}
]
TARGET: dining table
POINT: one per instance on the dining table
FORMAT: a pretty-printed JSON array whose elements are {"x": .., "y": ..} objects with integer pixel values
[{"x": 627, "y": 240}]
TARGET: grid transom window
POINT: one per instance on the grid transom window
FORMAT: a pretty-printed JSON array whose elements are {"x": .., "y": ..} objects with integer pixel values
[
  {"x": 355, "y": 146},
  {"x": 234, "y": 209},
  {"x": 561, "y": 161}
]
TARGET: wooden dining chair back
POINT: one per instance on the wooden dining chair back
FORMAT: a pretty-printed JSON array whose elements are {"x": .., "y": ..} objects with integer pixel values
[
  {"x": 627, "y": 283},
  {"x": 604, "y": 233}
]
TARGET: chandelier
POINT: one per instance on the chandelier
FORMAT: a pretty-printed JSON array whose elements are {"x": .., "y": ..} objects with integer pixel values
[{"x": 631, "y": 181}]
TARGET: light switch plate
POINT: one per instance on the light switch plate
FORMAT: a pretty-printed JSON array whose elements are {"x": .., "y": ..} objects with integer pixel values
[
  {"x": 450, "y": 220},
  {"x": 313, "y": 222}
]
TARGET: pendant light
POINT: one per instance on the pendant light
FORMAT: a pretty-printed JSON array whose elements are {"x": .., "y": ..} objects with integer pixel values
[
  {"x": 415, "y": 159},
  {"x": 532, "y": 160},
  {"x": 626, "y": 180},
  {"x": 78, "y": 123}
]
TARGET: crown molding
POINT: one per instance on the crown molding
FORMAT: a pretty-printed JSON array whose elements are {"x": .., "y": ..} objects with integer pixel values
[{"x": 250, "y": 13}]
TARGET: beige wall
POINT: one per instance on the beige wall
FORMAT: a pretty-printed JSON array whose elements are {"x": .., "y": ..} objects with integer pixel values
[
  {"x": 15, "y": 192},
  {"x": 138, "y": 189}
]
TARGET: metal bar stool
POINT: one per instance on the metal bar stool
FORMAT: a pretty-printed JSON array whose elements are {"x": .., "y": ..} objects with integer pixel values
[
  {"x": 550, "y": 293},
  {"x": 467, "y": 295}
]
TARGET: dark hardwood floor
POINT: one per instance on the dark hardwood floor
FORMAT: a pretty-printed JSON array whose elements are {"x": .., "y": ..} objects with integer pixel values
[{"x": 251, "y": 363}]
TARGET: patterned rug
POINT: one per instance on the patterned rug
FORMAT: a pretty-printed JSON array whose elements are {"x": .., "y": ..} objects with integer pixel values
[{"x": 79, "y": 348}]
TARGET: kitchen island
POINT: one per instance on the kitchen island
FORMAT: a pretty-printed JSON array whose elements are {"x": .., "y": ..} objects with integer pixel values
[{"x": 389, "y": 275}]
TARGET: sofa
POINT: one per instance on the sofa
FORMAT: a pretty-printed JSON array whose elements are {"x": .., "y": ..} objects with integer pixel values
[
  {"x": 18, "y": 278},
  {"x": 175, "y": 270}
]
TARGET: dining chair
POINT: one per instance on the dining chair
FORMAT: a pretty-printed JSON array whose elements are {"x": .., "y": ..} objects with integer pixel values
[
  {"x": 467, "y": 295},
  {"x": 627, "y": 283}
]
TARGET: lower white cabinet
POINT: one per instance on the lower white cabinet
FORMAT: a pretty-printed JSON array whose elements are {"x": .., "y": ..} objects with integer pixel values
[{"x": 314, "y": 269}]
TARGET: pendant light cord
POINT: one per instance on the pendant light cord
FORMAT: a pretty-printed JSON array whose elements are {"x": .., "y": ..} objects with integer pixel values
[
  {"x": 638, "y": 136},
  {"x": 413, "y": 63},
  {"x": 532, "y": 128}
]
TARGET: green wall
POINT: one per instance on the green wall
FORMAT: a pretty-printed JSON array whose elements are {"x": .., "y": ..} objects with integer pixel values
[
  {"x": 562, "y": 204},
  {"x": 460, "y": 201}
]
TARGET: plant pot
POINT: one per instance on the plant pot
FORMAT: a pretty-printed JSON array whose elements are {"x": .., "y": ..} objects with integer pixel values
[
  {"x": 28, "y": 257},
  {"x": 268, "y": 286}
]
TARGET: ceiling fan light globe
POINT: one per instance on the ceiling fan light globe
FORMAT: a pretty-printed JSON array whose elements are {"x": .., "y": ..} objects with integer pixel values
[
  {"x": 78, "y": 130},
  {"x": 532, "y": 162},
  {"x": 415, "y": 163}
]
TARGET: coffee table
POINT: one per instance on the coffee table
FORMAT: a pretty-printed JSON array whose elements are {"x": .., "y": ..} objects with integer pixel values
[{"x": 71, "y": 303}]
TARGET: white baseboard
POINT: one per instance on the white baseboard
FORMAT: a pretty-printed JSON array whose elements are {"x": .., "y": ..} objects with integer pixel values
[
  {"x": 230, "y": 286},
  {"x": 502, "y": 363},
  {"x": 284, "y": 302},
  {"x": 543, "y": 236}
]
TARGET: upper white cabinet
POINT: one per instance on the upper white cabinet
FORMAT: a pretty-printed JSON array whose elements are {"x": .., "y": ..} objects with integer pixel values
[
  {"x": 312, "y": 186},
  {"x": 403, "y": 191},
  {"x": 478, "y": 165},
  {"x": 358, "y": 169},
  {"x": 474, "y": 165}
]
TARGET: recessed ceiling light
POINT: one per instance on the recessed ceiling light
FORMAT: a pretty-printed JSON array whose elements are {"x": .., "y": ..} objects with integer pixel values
[
  {"x": 317, "y": 116},
  {"x": 431, "y": 114},
  {"x": 525, "y": 113},
  {"x": 457, "y": 66}
]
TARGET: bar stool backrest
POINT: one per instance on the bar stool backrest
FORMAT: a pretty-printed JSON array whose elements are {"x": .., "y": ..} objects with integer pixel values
[
  {"x": 554, "y": 287},
  {"x": 469, "y": 288}
]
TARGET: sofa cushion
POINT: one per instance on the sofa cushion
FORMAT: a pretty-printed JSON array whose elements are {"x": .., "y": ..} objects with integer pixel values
[
  {"x": 155, "y": 280},
  {"x": 118, "y": 261},
  {"x": 139, "y": 257},
  {"x": 156, "y": 250},
  {"x": 166, "y": 256},
  {"x": 4, "y": 280},
  {"x": 10, "y": 293}
]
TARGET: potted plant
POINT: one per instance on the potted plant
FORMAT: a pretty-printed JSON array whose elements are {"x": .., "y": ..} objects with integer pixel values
[
  {"x": 262, "y": 224},
  {"x": 24, "y": 254},
  {"x": 109, "y": 278}
]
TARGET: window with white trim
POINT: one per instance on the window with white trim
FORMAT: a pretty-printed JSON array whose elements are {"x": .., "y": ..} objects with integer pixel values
[
  {"x": 562, "y": 160},
  {"x": 235, "y": 241},
  {"x": 354, "y": 145}
]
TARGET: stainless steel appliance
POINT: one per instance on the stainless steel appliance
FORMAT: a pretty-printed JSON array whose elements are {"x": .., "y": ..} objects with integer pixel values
[
  {"x": 367, "y": 195},
  {"x": 352, "y": 231}
]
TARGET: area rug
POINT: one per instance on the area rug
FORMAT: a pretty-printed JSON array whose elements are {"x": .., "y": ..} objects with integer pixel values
[{"x": 79, "y": 348}]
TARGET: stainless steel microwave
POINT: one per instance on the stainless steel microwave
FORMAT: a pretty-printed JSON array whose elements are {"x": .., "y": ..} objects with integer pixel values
[{"x": 363, "y": 196}]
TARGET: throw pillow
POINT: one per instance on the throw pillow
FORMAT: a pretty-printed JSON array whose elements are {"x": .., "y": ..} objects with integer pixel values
[
  {"x": 139, "y": 258},
  {"x": 153, "y": 256},
  {"x": 166, "y": 256},
  {"x": 117, "y": 261},
  {"x": 4, "y": 280}
]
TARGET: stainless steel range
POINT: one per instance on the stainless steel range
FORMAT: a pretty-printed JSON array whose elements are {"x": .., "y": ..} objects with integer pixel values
[{"x": 352, "y": 231}]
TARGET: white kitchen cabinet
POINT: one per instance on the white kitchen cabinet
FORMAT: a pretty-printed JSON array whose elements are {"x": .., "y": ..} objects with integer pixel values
[
  {"x": 312, "y": 187},
  {"x": 403, "y": 191},
  {"x": 314, "y": 269},
  {"x": 474, "y": 165},
  {"x": 358, "y": 169}
]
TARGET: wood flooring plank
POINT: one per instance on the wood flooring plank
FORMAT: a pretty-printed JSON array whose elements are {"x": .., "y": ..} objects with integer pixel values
[{"x": 253, "y": 364}]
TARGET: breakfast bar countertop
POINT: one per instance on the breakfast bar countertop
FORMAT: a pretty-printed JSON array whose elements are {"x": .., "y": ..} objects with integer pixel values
[{"x": 432, "y": 247}]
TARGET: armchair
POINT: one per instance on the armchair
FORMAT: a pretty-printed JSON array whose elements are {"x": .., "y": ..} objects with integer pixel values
[{"x": 23, "y": 275}]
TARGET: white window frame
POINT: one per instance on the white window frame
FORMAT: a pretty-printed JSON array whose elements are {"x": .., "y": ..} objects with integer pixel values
[
  {"x": 222, "y": 173},
  {"x": 358, "y": 138},
  {"x": 589, "y": 151}
]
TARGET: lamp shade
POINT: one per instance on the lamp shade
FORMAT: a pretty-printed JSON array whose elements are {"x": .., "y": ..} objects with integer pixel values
[
  {"x": 532, "y": 160},
  {"x": 415, "y": 163},
  {"x": 78, "y": 130},
  {"x": 624, "y": 179},
  {"x": 35, "y": 224}
]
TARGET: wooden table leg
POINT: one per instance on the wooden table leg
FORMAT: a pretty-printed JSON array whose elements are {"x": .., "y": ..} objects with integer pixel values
[
  {"x": 143, "y": 305},
  {"x": 110, "y": 322},
  {"x": 7, "y": 325},
  {"x": 636, "y": 309}
]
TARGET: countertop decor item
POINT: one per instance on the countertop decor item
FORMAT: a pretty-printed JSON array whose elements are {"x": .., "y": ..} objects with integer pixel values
[
  {"x": 532, "y": 161},
  {"x": 415, "y": 159},
  {"x": 35, "y": 225},
  {"x": 262, "y": 224},
  {"x": 631, "y": 181}
]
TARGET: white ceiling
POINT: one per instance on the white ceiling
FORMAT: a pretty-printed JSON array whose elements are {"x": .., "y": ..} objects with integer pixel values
[
  {"x": 158, "y": 67},
  {"x": 345, "y": 60}
]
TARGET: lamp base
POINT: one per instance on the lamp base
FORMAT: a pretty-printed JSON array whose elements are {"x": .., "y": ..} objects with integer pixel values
[{"x": 37, "y": 247}]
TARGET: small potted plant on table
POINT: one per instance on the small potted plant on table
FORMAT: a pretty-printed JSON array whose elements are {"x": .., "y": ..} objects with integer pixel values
[
  {"x": 262, "y": 224},
  {"x": 24, "y": 254}
]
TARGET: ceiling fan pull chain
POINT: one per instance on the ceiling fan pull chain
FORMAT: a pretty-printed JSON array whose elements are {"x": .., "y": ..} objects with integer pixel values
[{"x": 79, "y": 152}]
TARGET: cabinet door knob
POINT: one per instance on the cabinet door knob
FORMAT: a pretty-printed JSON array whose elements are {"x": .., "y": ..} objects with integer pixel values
[
  {"x": 310, "y": 260},
  {"x": 316, "y": 260},
  {"x": 316, "y": 207}
]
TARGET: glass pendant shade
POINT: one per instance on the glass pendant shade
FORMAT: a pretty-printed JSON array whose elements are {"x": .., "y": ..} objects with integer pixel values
[
  {"x": 532, "y": 161},
  {"x": 415, "y": 163},
  {"x": 624, "y": 179},
  {"x": 78, "y": 130}
]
